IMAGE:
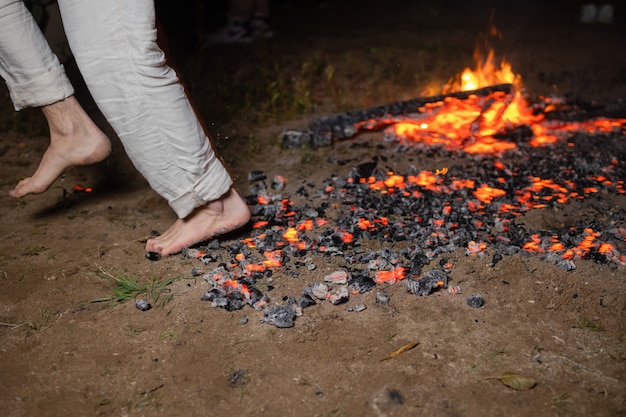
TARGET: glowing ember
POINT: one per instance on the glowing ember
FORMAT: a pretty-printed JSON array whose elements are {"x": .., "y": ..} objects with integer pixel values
[
  {"x": 471, "y": 207},
  {"x": 233, "y": 285},
  {"x": 80, "y": 189},
  {"x": 274, "y": 259},
  {"x": 486, "y": 194},
  {"x": 392, "y": 276}
]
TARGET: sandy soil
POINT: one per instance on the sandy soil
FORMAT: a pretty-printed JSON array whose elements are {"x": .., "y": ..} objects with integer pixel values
[{"x": 63, "y": 355}]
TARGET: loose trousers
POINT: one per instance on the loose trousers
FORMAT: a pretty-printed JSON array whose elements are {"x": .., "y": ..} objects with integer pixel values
[{"x": 114, "y": 44}]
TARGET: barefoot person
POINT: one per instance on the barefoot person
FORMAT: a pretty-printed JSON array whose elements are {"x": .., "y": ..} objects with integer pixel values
[{"x": 114, "y": 44}]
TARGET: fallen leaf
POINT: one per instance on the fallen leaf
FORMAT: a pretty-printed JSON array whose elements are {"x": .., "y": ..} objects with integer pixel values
[
  {"x": 403, "y": 349},
  {"x": 515, "y": 381}
]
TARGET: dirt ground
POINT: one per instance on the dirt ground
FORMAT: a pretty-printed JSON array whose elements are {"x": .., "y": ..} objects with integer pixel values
[{"x": 63, "y": 355}]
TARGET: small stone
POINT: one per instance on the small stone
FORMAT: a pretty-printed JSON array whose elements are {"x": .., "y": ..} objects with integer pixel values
[
  {"x": 243, "y": 320},
  {"x": 475, "y": 300},
  {"x": 153, "y": 256},
  {"x": 567, "y": 264},
  {"x": 219, "y": 302},
  {"x": 306, "y": 301},
  {"x": 496, "y": 258},
  {"x": 382, "y": 298},
  {"x": 256, "y": 176},
  {"x": 292, "y": 138},
  {"x": 143, "y": 305},
  {"x": 359, "y": 307},
  {"x": 279, "y": 316}
]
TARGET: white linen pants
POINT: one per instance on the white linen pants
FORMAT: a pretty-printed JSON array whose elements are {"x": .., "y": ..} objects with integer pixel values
[{"x": 114, "y": 44}]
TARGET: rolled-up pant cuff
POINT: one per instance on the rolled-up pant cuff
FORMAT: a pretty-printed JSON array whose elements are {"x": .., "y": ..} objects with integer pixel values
[
  {"x": 211, "y": 186},
  {"x": 45, "y": 89}
]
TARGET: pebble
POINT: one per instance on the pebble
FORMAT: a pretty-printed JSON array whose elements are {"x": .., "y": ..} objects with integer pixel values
[
  {"x": 475, "y": 300},
  {"x": 359, "y": 307},
  {"x": 143, "y": 305},
  {"x": 153, "y": 256},
  {"x": 382, "y": 298}
]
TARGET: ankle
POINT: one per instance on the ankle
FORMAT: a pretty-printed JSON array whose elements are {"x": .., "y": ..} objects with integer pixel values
[{"x": 64, "y": 116}]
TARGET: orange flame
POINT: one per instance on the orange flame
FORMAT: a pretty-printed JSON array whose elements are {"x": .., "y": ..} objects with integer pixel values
[{"x": 486, "y": 73}]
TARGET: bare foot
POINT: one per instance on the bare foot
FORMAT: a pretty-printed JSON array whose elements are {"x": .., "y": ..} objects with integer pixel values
[
  {"x": 217, "y": 217},
  {"x": 74, "y": 140}
]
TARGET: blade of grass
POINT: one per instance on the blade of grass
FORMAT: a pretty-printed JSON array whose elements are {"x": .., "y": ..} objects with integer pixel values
[{"x": 126, "y": 288}]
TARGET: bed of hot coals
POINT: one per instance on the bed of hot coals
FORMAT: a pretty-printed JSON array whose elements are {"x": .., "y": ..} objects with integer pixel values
[{"x": 504, "y": 165}]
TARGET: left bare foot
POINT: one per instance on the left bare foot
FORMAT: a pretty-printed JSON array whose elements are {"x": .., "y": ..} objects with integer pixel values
[
  {"x": 217, "y": 217},
  {"x": 74, "y": 140}
]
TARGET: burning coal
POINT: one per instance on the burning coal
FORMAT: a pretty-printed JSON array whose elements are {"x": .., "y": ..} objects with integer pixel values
[{"x": 520, "y": 155}]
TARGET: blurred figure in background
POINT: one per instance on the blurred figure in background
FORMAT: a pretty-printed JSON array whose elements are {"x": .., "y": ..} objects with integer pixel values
[{"x": 248, "y": 20}]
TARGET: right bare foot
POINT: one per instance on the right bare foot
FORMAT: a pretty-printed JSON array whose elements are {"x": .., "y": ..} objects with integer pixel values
[
  {"x": 74, "y": 140},
  {"x": 215, "y": 218}
]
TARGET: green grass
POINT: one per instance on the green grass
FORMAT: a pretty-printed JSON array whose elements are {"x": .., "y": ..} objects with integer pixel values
[
  {"x": 34, "y": 250},
  {"x": 561, "y": 401},
  {"x": 156, "y": 291},
  {"x": 169, "y": 335},
  {"x": 587, "y": 324}
]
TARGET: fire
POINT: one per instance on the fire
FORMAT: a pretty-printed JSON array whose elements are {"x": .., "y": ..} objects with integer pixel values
[
  {"x": 473, "y": 123},
  {"x": 487, "y": 73},
  {"x": 484, "y": 210}
]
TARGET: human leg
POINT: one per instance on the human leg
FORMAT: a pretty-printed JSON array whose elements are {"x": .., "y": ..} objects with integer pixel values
[
  {"x": 35, "y": 78},
  {"x": 33, "y": 74},
  {"x": 143, "y": 100}
]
